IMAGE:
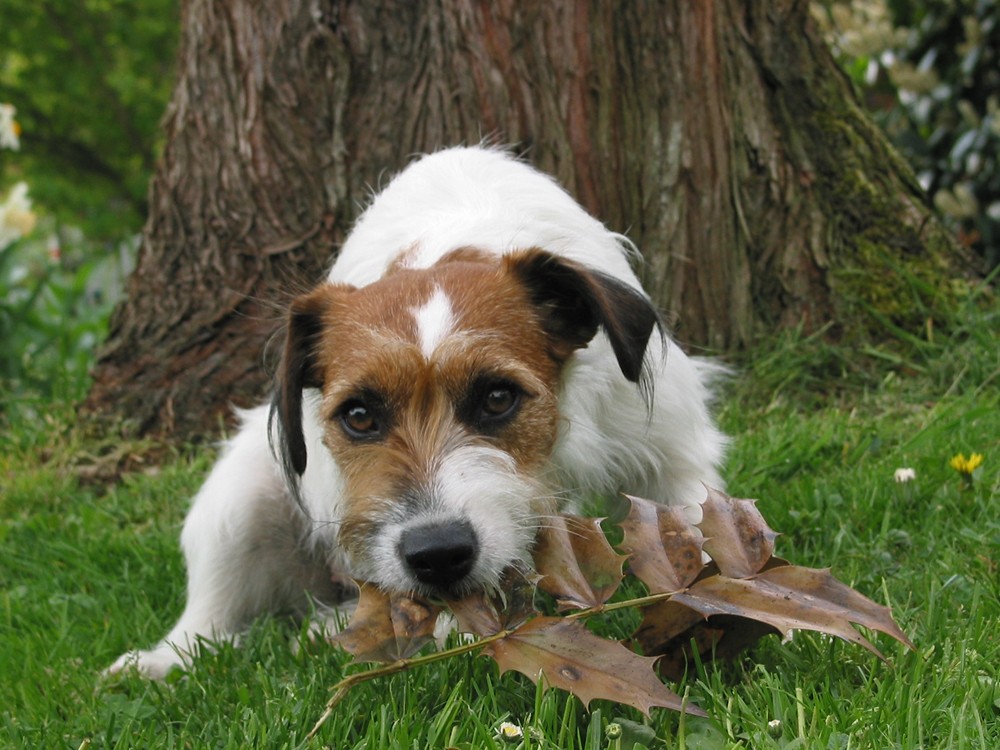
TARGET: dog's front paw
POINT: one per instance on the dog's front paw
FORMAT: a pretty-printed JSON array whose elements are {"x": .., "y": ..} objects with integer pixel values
[{"x": 154, "y": 664}]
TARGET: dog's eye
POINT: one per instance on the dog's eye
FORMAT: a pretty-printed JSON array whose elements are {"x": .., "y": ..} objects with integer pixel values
[
  {"x": 499, "y": 401},
  {"x": 360, "y": 421},
  {"x": 490, "y": 404}
]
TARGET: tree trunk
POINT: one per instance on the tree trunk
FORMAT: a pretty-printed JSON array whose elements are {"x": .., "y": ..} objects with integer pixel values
[{"x": 719, "y": 135}]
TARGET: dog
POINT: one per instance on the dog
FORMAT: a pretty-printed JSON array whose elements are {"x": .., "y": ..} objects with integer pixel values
[{"x": 480, "y": 356}]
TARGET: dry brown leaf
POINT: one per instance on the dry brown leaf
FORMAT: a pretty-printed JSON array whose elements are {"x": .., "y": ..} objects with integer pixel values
[
  {"x": 677, "y": 632},
  {"x": 722, "y": 607},
  {"x": 739, "y": 611},
  {"x": 736, "y": 535},
  {"x": 485, "y": 614},
  {"x": 477, "y": 614},
  {"x": 386, "y": 628},
  {"x": 576, "y": 564},
  {"x": 664, "y": 549},
  {"x": 570, "y": 657}
]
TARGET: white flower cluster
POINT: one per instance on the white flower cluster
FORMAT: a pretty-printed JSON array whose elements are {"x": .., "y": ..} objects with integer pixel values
[
  {"x": 9, "y": 130},
  {"x": 16, "y": 216},
  {"x": 861, "y": 28}
]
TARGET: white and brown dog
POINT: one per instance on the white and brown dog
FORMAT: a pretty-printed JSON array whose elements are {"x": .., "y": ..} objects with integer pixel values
[{"x": 480, "y": 355}]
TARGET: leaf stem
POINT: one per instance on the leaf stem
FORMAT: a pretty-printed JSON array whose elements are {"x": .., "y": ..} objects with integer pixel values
[
  {"x": 800, "y": 712},
  {"x": 639, "y": 601},
  {"x": 682, "y": 727},
  {"x": 341, "y": 689}
]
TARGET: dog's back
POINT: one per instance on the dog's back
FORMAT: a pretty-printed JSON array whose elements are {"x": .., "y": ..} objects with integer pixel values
[{"x": 475, "y": 197}]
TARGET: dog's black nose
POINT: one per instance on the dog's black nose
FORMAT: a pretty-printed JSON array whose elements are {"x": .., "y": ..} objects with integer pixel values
[{"x": 440, "y": 554}]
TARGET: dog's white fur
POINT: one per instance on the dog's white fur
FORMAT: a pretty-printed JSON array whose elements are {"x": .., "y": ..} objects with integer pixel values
[{"x": 251, "y": 548}]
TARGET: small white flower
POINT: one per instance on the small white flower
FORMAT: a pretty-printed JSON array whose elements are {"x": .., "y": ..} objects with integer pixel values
[
  {"x": 905, "y": 474},
  {"x": 509, "y": 732},
  {"x": 9, "y": 129},
  {"x": 774, "y": 728}
]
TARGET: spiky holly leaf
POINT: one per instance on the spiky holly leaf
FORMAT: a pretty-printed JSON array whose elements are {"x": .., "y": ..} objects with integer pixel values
[
  {"x": 387, "y": 627},
  {"x": 724, "y": 606},
  {"x": 736, "y": 535},
  {"x": 677, "y": 632},
  {"x": 789, "y": 598},
  {"x": 664, "y": 548},
  {"x": 568, "y": 656},
  {"x": 477, "y": 614},
  {"x": 726, "y": 615},
  {"x": 510, "y": 605},
  {"x": 576, "y": 564}
]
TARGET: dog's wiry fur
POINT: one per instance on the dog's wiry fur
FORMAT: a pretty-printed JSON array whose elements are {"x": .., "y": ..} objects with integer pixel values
[{"x": 480, "y": 355}]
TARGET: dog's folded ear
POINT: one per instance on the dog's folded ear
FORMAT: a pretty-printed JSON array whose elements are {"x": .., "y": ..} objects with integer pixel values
[
  {"x": 299, "y": 368},
  {"x": 576, "y": 301}
]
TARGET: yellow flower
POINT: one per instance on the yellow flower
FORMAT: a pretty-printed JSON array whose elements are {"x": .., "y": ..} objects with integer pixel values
[{"x": 966, "y": 466}]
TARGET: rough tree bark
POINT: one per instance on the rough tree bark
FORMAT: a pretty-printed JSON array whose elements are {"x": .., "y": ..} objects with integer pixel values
[{"x": 719, "y": 135}]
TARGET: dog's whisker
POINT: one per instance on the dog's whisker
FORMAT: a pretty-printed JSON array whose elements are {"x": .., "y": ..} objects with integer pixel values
[{"x": 569, "y": 532}]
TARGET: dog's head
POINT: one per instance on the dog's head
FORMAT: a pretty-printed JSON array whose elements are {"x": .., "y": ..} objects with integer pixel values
[{"x": 439, "y": 405}]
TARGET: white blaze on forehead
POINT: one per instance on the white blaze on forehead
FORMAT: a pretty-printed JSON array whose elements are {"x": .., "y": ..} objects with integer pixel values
[{"x": 435, "y": 321}]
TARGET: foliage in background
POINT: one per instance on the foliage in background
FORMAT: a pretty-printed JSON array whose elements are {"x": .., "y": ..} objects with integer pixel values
[
  {"x": 55, "y": 298},
  {"x": 929, "y": 71},
  {"x": 90, "y": 81},
  {"x": 82, "y": 89},
  {"x": 56, "y": 293}
]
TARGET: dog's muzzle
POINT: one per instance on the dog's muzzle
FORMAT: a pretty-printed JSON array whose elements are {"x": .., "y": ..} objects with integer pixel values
[{"x": 440, "y": 554}]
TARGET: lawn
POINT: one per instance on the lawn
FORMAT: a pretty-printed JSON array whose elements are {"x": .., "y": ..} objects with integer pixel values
[{"x": 89, "y": 569}]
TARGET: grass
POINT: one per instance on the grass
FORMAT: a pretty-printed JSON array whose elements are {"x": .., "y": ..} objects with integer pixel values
[{"x": 89, "y": 570}]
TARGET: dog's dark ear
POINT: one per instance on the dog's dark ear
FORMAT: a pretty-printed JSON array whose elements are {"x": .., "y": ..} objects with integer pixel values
[
  {"x": 297, "y": 370},
  {"x": 575, "y": 301}
]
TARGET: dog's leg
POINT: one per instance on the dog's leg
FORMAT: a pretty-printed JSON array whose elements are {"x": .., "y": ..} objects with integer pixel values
[{"x": 243, "y": 542}]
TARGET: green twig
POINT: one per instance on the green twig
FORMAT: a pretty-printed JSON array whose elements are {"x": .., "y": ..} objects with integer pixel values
[
  {"x": 639, "y": 601},
  {"x": 341, "y": 689}
]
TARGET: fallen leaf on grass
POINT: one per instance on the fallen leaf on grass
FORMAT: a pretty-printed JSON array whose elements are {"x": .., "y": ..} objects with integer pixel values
[
  {"x": 568, "y": 656},
  {"x": 486, "y": 614},
  {"x": 576, "y": 564},
  {"x": 664, "y": 549},
  {"x": 736, "y": 536},
  {"x": 722, "y": 607},
  {"x": 719, "y": 638},
  {"x": 791, "y": 598},
  {"x": 386, "y": 628},
  {"x": 676, "y": 632}
]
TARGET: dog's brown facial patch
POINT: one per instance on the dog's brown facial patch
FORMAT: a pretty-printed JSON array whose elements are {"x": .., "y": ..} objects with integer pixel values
[{"x": 424, "y": 362}]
